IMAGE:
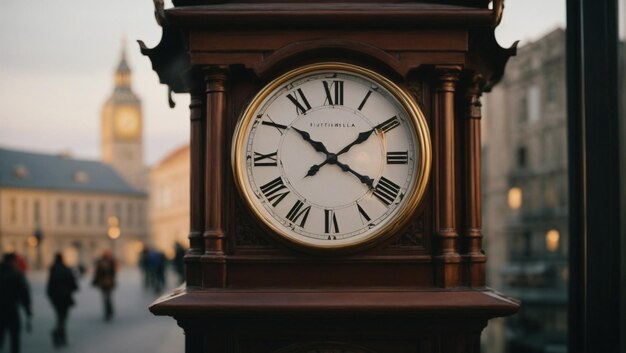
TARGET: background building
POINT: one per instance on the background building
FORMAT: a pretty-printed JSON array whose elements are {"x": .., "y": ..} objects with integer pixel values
[
  {"x": 53, "y": 203},
  {"x": 525, "y": 196},
  {"x": 169, "y": 201}
]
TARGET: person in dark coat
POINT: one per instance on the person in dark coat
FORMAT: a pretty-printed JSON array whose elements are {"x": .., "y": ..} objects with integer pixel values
[
  {"x": 14, "y": 292},
  {"x": 104, "y": 279},
  {"x": 60, "y": 289}
]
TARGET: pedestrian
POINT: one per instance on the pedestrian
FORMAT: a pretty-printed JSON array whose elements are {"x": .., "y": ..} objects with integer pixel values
[
  {"x": 60, "y": 289},
  {"x": 179, "y": 261},
  {"x": 104, "y": 279},
  {"x": 145, "y": 267},
  {"x": 14, "y": 292},
  {"x": 156, "y": 263}
]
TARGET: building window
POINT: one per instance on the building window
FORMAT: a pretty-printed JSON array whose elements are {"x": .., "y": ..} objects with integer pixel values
[
  {"x": 514, "y": 198},
  {"x": 102, "y": 214},
  {"x": 88, "y": 213},
  {"x": 117, "y": 212},
  {"x": 13, "y": 210},
  {"x": 552, "y": 240},
  {"x": 534, "y": 103},
  {"x": 60, "y": 212},
  {"x": 140, "y": 215},
  {"x": 551, "y": 91},
  {"x": 25, "y": 212},
  {"x": 523, "y": 110},
  {"x": 37, "y": 212},
  {"x": 74, "y": 212},
  {"x": 129, "y": 215},
  {"x": 521, "y": 157},
  {"x": 528, "y": 244}
]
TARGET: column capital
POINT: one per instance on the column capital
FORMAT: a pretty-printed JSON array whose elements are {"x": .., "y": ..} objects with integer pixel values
[
  {"x": 196, "y": 106},
  {"x": 446, "y": 77},
  {"x": 215, "y": 77}
]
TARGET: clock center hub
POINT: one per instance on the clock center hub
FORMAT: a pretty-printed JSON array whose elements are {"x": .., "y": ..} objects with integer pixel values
[{"x": 327, "y": 177}]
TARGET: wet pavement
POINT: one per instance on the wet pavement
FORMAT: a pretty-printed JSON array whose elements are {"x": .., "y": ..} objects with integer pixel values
[{"x": 133, "y": 329}]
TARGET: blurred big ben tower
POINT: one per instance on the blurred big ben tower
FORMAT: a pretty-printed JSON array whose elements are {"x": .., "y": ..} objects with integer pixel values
[{"x": 122, "y": 129}]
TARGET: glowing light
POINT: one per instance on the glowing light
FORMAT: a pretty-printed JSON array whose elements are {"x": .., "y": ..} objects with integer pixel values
[
  {"x": 515, "y": 198},
  {"x": 113, "y": 221},
  {"x": 114, "y": 232},
  {"x": 32, "y": 241},
  {"x": 552, "y": 240}
]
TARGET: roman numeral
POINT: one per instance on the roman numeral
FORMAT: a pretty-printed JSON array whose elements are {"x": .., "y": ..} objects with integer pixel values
[
  {"x": 337, "y": 97},
  {"x": 280, "y": 127},
  {"x": 330, "y": 223},
  {"x": 265, "y": 160},
  {"x": 298, "y": 212},
  {"x": 397, "y": 157},
  {"x": 388, "y": 124},
  {"x": 364, "y": 100},
  {"x": 386, "y": 191},
  {"x": 298, "y": 100},
  {"x": 275, "y": 190},
  {"x": 363, "y": 214}
]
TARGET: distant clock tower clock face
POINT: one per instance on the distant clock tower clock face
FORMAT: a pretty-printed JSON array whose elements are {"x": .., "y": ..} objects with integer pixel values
[
  {"x": 127, "y": 122},
  {"x": 332, "y": 156}
]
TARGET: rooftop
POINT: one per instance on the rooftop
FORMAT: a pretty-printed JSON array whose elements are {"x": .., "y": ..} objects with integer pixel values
[{"x": 22, "y": 169}]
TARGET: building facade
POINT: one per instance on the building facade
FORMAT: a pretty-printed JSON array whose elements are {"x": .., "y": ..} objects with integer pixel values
[
  {"x": 525, "y": 196},
  {"x": 53, "y": 203},
  {"x": 169, "y": 201}
]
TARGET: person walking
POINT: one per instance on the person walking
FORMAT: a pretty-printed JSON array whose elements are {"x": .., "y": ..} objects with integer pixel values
[
  {"x": 104, "y": 279},
  {"x": 14, "y": 292},
  {"x": 60, "y": 289}
]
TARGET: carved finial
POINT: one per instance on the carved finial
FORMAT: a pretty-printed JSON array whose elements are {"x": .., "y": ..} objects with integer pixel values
[
  {"x": 123, "y": 47},
  {"x": 498, "y": 9},
  {"x": 170, "y": 99},
  {"x": 159, "y": 12}
]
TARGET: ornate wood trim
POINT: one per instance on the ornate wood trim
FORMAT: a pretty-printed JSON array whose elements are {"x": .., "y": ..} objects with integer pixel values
[
  {"x": 197, "y": 191},
  {"x": 214, "y": 259},
  {"x": 447, "y": 259},
  {"x": 473, "y": 255}
]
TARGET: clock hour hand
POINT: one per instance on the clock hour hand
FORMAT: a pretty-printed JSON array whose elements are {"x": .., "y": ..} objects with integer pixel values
[
  {"x": 363, "y": 136},
  {"x": 319, "y": 147}
]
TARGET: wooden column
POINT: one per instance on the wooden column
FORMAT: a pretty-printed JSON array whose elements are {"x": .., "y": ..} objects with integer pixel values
[
  {"x": 447, "y": 259},
  {"x": 197, "y": 193},
  {"x": 473, "y": 257},
  {"x": 214, "y": 260}
]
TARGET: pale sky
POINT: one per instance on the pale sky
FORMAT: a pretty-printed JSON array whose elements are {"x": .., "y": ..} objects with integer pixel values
[{"x": 57, "y": 60}]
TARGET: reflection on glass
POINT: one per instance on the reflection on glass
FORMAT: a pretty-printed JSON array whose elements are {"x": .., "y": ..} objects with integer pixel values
[
  {"x": 515, "y": 198},
  {"x": 525, "y": 203},
  {"x": 552, "y": 240}
]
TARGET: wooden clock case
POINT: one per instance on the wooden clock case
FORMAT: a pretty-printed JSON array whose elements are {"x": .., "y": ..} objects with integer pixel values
[{"x": 422, "y": 290}]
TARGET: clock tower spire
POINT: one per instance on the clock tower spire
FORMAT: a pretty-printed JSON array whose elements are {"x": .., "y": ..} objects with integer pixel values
[{"x": 122, "y": 125}]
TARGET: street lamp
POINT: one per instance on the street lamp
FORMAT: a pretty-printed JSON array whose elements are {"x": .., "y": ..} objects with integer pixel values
[{"x": 114, "y": 232}]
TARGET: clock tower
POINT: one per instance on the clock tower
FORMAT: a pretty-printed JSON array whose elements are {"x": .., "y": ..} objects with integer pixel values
[{"x": 122, "y": 137}]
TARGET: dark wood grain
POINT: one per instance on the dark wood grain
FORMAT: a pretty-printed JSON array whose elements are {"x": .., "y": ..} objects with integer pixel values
[{"x": 421, "y": 289}]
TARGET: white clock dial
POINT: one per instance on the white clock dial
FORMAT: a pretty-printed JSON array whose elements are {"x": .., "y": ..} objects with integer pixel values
[{"x": 332, "y": 156}]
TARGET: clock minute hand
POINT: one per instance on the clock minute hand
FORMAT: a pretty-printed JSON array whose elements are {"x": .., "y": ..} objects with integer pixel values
[
  {"x": 319, "y": 147},
  {"x": 363, "y": 136},
  {"x": 363, "y": 178}
]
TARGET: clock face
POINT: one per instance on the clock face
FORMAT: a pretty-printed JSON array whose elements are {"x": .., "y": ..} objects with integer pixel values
[
  {"x": 332, "y": 156},
  {"x": 127, "y": 122}
]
